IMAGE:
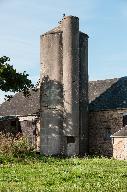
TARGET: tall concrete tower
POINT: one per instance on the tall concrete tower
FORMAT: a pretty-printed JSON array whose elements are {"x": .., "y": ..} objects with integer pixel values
[{"x": 64, "y": 90}]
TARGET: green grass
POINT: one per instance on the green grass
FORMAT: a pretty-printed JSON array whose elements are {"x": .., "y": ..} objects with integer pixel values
[{"x": 63, "y": 175}]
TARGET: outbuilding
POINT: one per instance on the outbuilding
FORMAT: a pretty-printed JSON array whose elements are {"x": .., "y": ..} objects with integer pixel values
[{"x": 119, "y": 141}]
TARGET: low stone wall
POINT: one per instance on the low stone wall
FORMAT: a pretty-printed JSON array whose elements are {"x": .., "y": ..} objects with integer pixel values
[
  {"x": 102, "y": 124},
  {"x": 30, "y": 126},
  {"x": 120, "y": 148}
]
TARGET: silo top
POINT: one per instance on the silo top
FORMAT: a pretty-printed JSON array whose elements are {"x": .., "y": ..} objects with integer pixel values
[{"x": 59, "y": 28}]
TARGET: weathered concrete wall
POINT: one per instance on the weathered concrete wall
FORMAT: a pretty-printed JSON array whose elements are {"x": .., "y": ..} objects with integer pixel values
[
  {"x": 83, "y": 93},
  {"x": 102, "y": 124},
  {"x": 71, "y": 82},
  {"x": 63, "y": 55},
  {"x": 120, "y": 148},
  {"x": 51, "y": 56},
  {"x": 51, "y": 97}
]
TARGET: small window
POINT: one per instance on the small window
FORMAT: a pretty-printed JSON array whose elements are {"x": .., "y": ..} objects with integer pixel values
[
  {"x": 70, "y": 139},
  {"x": 124, "y": 120},
  {"x": 13, "y": 123},
  {"x": 113, "y": 140},
  {"x": 108, "y": 134}
]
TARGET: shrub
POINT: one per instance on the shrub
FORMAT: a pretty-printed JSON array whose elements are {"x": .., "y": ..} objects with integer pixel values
[
  {"x": 14, "y": 146},
  {"x": 6, "y": 143},
  {"x": 21, "y": 147}
]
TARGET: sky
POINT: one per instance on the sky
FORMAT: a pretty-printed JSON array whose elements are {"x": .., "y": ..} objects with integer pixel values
[{"x": 105, "y": 21}]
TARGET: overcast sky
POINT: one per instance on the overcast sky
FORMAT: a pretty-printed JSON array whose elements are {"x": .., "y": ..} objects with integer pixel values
[{"x": 105, "y": 21}]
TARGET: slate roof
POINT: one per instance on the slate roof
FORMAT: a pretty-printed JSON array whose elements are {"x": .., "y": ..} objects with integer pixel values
[
  {"x": 121, "y": 133},
  {"x": 108, "y": 94},
  {"x": 54, "y": 30},
  {"x": 96, "y": 88},
  {"x": 20, "y": 105},
  {"x": 103, "y": 95}
]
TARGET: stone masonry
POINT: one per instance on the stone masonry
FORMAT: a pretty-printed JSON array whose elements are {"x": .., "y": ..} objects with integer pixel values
[
  {"x": 119, "y": 141},
  {"x": 120, "y": 148},
  {"x": 63, "y": 96},
  {"x": 103, "y": 124}
]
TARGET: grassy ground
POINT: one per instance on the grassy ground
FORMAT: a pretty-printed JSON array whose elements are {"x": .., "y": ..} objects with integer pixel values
[{"x": 63, "y": 175}]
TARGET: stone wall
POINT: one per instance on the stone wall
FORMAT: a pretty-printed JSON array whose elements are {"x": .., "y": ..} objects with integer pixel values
[
  {"x": 120, "y": 148},
  {"x": 102, "y": 124},
  {"x": 30, "y": 126}
]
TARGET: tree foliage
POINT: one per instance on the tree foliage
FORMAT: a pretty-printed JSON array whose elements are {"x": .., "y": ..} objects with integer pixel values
[{"x": 11, "y": 80}]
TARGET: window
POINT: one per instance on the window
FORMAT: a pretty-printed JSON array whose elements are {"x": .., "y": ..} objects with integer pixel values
[
  {"x": 70, "y": 139},
  {"x": 124, "y": 120},
  {"x": 107, "y": 135},
  {"x": 13, "y": 123}
]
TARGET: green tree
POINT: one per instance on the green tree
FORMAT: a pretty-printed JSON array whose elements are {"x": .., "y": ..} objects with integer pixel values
[{"x": 12, "y": 81}]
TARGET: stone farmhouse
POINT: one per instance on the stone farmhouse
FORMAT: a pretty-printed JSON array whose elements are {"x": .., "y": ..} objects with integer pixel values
[{"x": 67, "y": 114}]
